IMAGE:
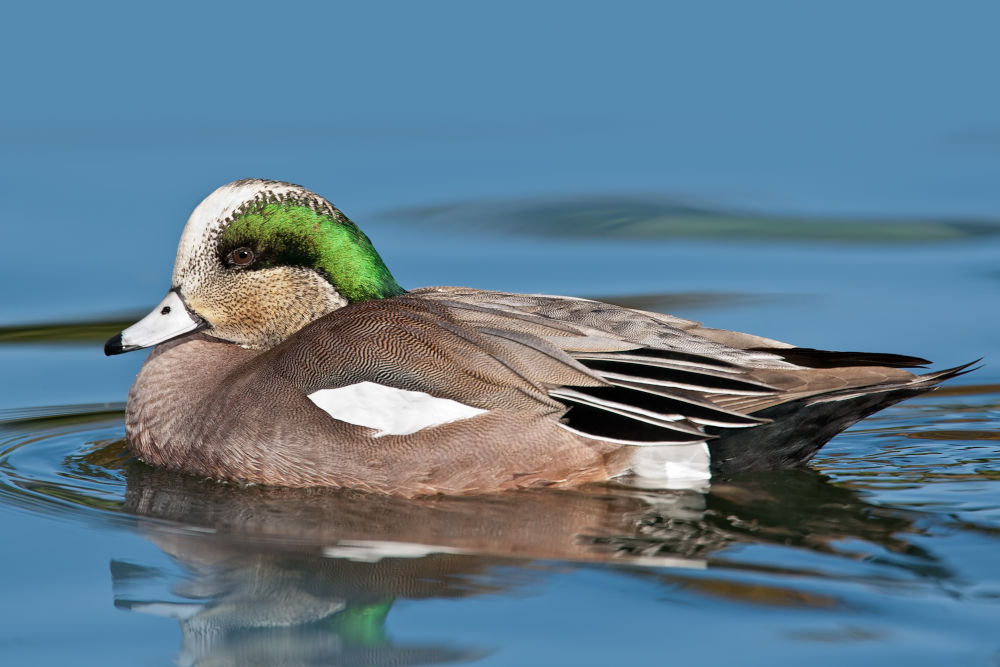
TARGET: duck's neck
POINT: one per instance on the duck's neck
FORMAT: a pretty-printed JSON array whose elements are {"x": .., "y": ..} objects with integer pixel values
[{"x": 354, "y": 267}]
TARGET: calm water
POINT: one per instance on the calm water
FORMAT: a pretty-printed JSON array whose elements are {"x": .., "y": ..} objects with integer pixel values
[{"x": 826, "y": 178}]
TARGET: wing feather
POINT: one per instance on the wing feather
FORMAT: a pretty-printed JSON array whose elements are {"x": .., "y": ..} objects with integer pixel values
[{"x": 641, "y": 378}]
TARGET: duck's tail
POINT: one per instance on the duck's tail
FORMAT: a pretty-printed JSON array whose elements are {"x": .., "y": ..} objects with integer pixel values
[{"x": 799, "y": 428}]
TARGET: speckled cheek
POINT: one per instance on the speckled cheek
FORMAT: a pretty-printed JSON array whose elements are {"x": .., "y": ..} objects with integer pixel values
[{"x": 259, "y": 309}]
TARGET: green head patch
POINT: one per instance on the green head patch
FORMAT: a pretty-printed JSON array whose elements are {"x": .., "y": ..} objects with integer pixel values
[{"x": 291, "y": 233}]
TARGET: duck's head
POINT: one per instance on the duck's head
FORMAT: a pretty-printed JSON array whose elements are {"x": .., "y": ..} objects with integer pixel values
[{"x": 257, "y": 261}]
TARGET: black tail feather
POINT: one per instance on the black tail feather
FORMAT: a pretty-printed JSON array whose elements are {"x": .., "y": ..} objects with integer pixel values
[{"x": 808, "y": 357}]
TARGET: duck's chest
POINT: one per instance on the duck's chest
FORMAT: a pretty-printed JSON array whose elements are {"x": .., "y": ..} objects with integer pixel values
[{"x": 179, "y": 398}]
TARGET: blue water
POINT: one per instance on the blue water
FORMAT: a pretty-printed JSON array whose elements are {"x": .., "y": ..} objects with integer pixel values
[{"x": 821, "y": 175}]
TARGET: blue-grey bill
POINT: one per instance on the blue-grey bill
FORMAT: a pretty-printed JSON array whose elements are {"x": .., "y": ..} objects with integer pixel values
[{"x": 169, "y": 319}]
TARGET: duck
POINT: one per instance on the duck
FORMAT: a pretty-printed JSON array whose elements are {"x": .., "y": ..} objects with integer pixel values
[{"x": 286, "y": 354}]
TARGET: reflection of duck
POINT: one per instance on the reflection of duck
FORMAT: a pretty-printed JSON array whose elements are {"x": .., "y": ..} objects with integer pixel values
[
  {"x": 296, "y": 572},
  {"x": 239, "y": 606},
  {"x": 363, "y": 527},
  {"x": 315, "y": 368},
  {"x": 315, "y": 571}
]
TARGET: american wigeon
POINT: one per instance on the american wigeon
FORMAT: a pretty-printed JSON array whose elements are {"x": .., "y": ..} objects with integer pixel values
[{"x": 287, "y": 354}]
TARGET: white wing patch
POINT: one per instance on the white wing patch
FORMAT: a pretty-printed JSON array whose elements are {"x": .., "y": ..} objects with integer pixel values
[{"x": 389, "y": 410}]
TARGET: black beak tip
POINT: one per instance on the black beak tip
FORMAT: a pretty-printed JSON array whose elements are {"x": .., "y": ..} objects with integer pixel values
[{"x": 114, "y": 345}]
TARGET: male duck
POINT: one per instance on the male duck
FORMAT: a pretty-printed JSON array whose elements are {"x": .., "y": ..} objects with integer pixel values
[{"x": 287, "y": 354}]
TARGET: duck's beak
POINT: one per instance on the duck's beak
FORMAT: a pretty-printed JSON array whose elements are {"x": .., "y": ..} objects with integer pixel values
[{"x": 169, "y": 319}]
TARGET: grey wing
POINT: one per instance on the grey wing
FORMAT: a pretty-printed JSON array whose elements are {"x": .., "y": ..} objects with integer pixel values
[
  {"x": 665, "y": 379},
  {"x": 415, "y": 345}
]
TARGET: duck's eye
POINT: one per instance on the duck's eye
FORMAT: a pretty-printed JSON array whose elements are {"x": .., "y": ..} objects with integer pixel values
[{"x": 242, "y": 257}]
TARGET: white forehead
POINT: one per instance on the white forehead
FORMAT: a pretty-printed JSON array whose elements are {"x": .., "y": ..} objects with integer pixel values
[{"x": 209, "y": 218}]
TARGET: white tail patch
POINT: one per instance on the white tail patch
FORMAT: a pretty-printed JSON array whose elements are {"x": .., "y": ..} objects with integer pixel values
[
  {"x": 389, "y": 410},
  {"x": 671, "y": 466}
]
